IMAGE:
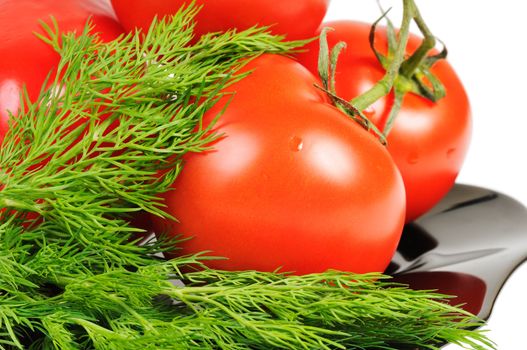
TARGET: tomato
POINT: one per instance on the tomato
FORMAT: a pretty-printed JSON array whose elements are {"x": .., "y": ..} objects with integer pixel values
[
  {"x": 26, "y": 60},
  {"x": 297, "y": 19},
  {"x": 428, "y": 141},
  {"x": 293, "y": 183}
]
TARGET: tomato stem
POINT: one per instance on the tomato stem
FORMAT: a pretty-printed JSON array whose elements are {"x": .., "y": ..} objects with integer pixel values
[
  {"x": 354, "y": 113},
  {"x": 384, "y": 86},
  {"x": 327, "y": 66},
  {"x": 409, "y": 66},
  {"x": 402, "y": 75}
]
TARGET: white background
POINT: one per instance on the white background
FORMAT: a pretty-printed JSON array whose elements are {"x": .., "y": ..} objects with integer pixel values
[{"x": 487, "y": 43}]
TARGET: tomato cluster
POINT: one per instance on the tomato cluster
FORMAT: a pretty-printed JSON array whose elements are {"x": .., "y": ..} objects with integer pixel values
[{"x": 293, "y": 182}]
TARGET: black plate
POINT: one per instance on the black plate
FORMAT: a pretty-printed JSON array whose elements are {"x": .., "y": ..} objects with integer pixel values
[{"x": 467, "y": 246}]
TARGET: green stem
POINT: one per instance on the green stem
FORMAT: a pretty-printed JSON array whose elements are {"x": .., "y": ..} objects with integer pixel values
[
  {"x": 384, "y": 86},
  {"x": 190, "y": 300},
  {"x": 19, "y": 205},
  {"x": 147, "y": 326},
  {"x": 409, "y": 66}
]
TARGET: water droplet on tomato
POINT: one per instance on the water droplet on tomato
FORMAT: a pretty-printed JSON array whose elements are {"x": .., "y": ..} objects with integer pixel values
[
  {"x": 296, "y": 144},
  {"x": 450, "y": 153}
]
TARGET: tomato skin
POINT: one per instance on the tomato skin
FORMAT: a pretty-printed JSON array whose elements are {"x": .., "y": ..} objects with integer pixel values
[
  {"x": 293, "y": 183},
  {"x": 25, "y": 58},
  {"x": 297, "y": 19},
  {"x": 428, "y": 141}
]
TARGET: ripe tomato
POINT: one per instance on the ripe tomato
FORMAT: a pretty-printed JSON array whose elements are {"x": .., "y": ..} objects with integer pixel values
[
  {"x": 428, "y": 141},
  {"x": 25, "y": 58},
  {"x": 297, "y": 19},
  {"x": 292, "y": 183}
]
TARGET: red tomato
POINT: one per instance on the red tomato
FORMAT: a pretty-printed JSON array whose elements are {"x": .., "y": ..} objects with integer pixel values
[
  {"x": 293, "y": 183},
  {"x": 297, "y": 19},
  {"x": 25, "y": 58},
  {"x": 428, "y": 141}
]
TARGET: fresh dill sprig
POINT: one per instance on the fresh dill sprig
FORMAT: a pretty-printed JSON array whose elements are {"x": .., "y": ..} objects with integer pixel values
[{"x": 107, "y": 135}]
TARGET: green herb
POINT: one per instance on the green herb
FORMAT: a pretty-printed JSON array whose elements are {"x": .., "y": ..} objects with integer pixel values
[{"x": 99, "y": 144}]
